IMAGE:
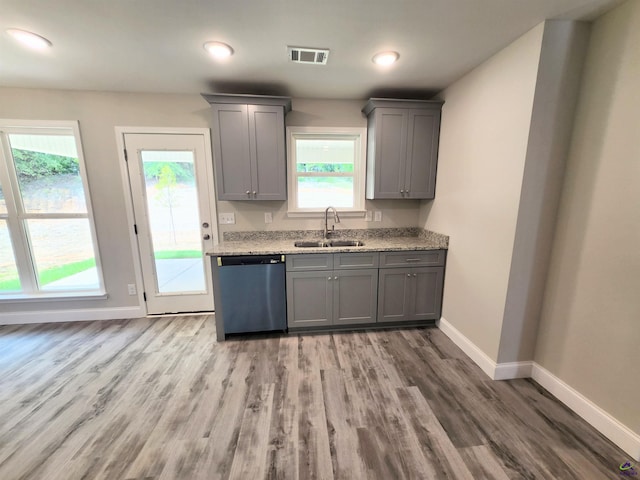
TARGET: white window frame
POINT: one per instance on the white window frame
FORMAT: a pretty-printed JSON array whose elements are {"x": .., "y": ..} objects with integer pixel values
[
  {"x": 16, "y": 216},
  {"x": 359, "y": 168}
]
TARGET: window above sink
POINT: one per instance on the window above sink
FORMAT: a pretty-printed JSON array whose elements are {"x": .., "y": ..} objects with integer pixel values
[{"x": 326, "y": 166}]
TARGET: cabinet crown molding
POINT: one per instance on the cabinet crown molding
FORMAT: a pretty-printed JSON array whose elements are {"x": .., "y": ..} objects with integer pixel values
[
  {"x": 242, "y": 99},
  {"x": 400, "y": 103}
]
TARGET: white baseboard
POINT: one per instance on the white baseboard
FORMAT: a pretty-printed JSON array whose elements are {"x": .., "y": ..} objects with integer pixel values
[
  {"x": 485, "y": 362},
  {"x": 611, "y": 428},
  {"x": 74, "y": 315},
  {"x": 511, "y": 370}
]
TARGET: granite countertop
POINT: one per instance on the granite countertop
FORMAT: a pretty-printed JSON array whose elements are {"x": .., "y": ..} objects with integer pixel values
[{"x": 282, "y": 242}]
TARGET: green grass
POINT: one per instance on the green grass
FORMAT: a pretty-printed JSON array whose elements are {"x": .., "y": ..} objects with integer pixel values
[
  {"x": 50, "y": 274},
  {"x": 170, "y": 254}
]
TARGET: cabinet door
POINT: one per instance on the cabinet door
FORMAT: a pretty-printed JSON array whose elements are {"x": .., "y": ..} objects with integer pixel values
[
  {"x": 426, "y": 298},
  {"x": 268, "y": 162},
  {"x": 309, "y": 299},
  {"x": 231, "y": 151},
  {"x": 394, "y": 294},
  {"x": 422, "y": 153},
  {"x": 390, "y": 151},
  {"x": 355, "y": 296}
]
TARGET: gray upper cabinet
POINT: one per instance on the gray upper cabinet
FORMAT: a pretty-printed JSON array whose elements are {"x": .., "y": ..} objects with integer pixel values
[
  {"x": 249, "y": 146},
  {"x": 402, "y": 148}
]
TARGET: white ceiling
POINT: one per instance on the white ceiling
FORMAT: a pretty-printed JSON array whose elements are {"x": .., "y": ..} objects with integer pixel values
[{"x": 156, "y": 45}]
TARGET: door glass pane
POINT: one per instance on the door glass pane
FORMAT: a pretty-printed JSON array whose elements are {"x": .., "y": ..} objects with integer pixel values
[
  {"x": 63, "y": 253},
  {"x": 9, "y": 280},
  {"x": 174, "y": 220},
  {"x": 48, "y": 173},
  {"x": 3, "y": 203}
]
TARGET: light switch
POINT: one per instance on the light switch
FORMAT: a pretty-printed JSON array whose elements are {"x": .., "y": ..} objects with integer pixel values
[
  {"x": 378, "y": 216},
  {"x": 268, "y": 217},
  {"x": 368, "y": 217}
]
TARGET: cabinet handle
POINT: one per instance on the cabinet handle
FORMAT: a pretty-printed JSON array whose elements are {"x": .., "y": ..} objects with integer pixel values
[
  {"x": 254, "y": 193},
  {"x": 248, "y": 192},
  {"x": 335, "y": 278},
  {"x": 329, "y": 278},
  {"x": 412, "y": 259},
  {"x": 402, "y": 192},
  {"x": 415, "y": 274},
  {"x": 408, "y": 274}
]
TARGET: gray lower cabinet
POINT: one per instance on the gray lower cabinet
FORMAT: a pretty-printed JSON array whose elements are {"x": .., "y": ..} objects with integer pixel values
[
  {"x": 355, "y": 295},
  {"x": 410, "y": 294},
  {"x": 364, "y": 288},
  {"x": 249, "y": 146},
  {"x": 402, "y": 148},
  {"x": 309, "y": 299},
  {"x": 346, "y": 295}
]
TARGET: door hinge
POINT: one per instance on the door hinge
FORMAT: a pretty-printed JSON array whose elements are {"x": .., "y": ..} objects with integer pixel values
[
  {"x": 144, "y": 295},
  {"x": 126, "y": 157},
  {"x": 135, "y": 228}
]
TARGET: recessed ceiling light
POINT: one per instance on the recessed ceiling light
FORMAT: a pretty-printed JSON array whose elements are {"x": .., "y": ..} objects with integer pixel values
[
  {"x": 218, "y": 49},
  {"x": 29, "y": 39},
  {"x": 385, "y": 58}
]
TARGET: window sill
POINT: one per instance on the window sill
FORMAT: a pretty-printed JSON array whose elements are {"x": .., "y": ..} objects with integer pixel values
[
  {"x": 53, "y": 297},
  {"x": 319, "y": 214}
]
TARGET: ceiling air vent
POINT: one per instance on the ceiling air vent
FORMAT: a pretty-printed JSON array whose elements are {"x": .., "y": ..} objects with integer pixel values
[{"x": 316, "y": 56}]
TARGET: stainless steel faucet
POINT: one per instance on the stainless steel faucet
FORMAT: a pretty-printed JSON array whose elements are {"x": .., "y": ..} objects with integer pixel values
[{"x": 336, "y": 219}]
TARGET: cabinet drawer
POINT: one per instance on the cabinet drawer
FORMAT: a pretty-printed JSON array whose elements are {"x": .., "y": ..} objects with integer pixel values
[
  {"x": 355, "y": 260},
  {"x": 310, "y": 261},
  {"x": 412, "y": 258}
]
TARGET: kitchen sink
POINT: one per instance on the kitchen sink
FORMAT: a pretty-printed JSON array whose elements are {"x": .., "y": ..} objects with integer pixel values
[
  {"x": 311, "y": 243},
  {"x": 346, "y": 243},
  {"x": 328, "y": 243}
]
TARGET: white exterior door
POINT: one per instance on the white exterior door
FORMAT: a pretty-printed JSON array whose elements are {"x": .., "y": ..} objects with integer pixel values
[{"x": 174, "y": 219}]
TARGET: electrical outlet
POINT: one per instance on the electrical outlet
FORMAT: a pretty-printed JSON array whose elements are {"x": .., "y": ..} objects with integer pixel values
[
  {"x": 132, "y": 288},
  {"x": 268, "y": 217},
  {"x": 368, "y": 216},
  {"x": 226, "y": 218},
  {"x": 378, "y": 216}
]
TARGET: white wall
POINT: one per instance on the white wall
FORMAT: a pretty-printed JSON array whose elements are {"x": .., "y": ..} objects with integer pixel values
[
  {"x": 564, "y": 46},
  {"x": 589, "y": 334},
  {"x": 483, "y": 144}
]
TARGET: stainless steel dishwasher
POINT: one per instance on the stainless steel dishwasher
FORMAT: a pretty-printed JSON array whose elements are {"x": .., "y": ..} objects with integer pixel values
[{"x": 253, "y": 293}]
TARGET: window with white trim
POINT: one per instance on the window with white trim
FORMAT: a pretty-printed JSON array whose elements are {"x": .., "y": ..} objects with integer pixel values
[
  {"x": 47, "y": 236},
  {"x": 326, "y": 168}
]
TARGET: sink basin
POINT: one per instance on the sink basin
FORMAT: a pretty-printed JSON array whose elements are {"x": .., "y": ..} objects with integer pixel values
[
  {"x": 310, "y": 243},
  {"x": 328, "y": 243},
  {"x": 346, "y": 243}
]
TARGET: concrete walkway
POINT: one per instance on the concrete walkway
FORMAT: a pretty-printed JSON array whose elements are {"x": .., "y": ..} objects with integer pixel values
[{"x": 174, "y": 275}]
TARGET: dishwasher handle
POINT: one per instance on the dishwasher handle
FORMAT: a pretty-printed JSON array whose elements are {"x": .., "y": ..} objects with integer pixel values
[{"x": 238, "y": 260}]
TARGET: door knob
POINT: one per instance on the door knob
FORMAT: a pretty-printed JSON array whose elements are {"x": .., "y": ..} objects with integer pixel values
[{"x": 206, "y": 236}]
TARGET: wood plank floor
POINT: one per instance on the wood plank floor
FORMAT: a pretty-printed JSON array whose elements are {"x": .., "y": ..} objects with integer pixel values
[{"x": 160, "y": 399}]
